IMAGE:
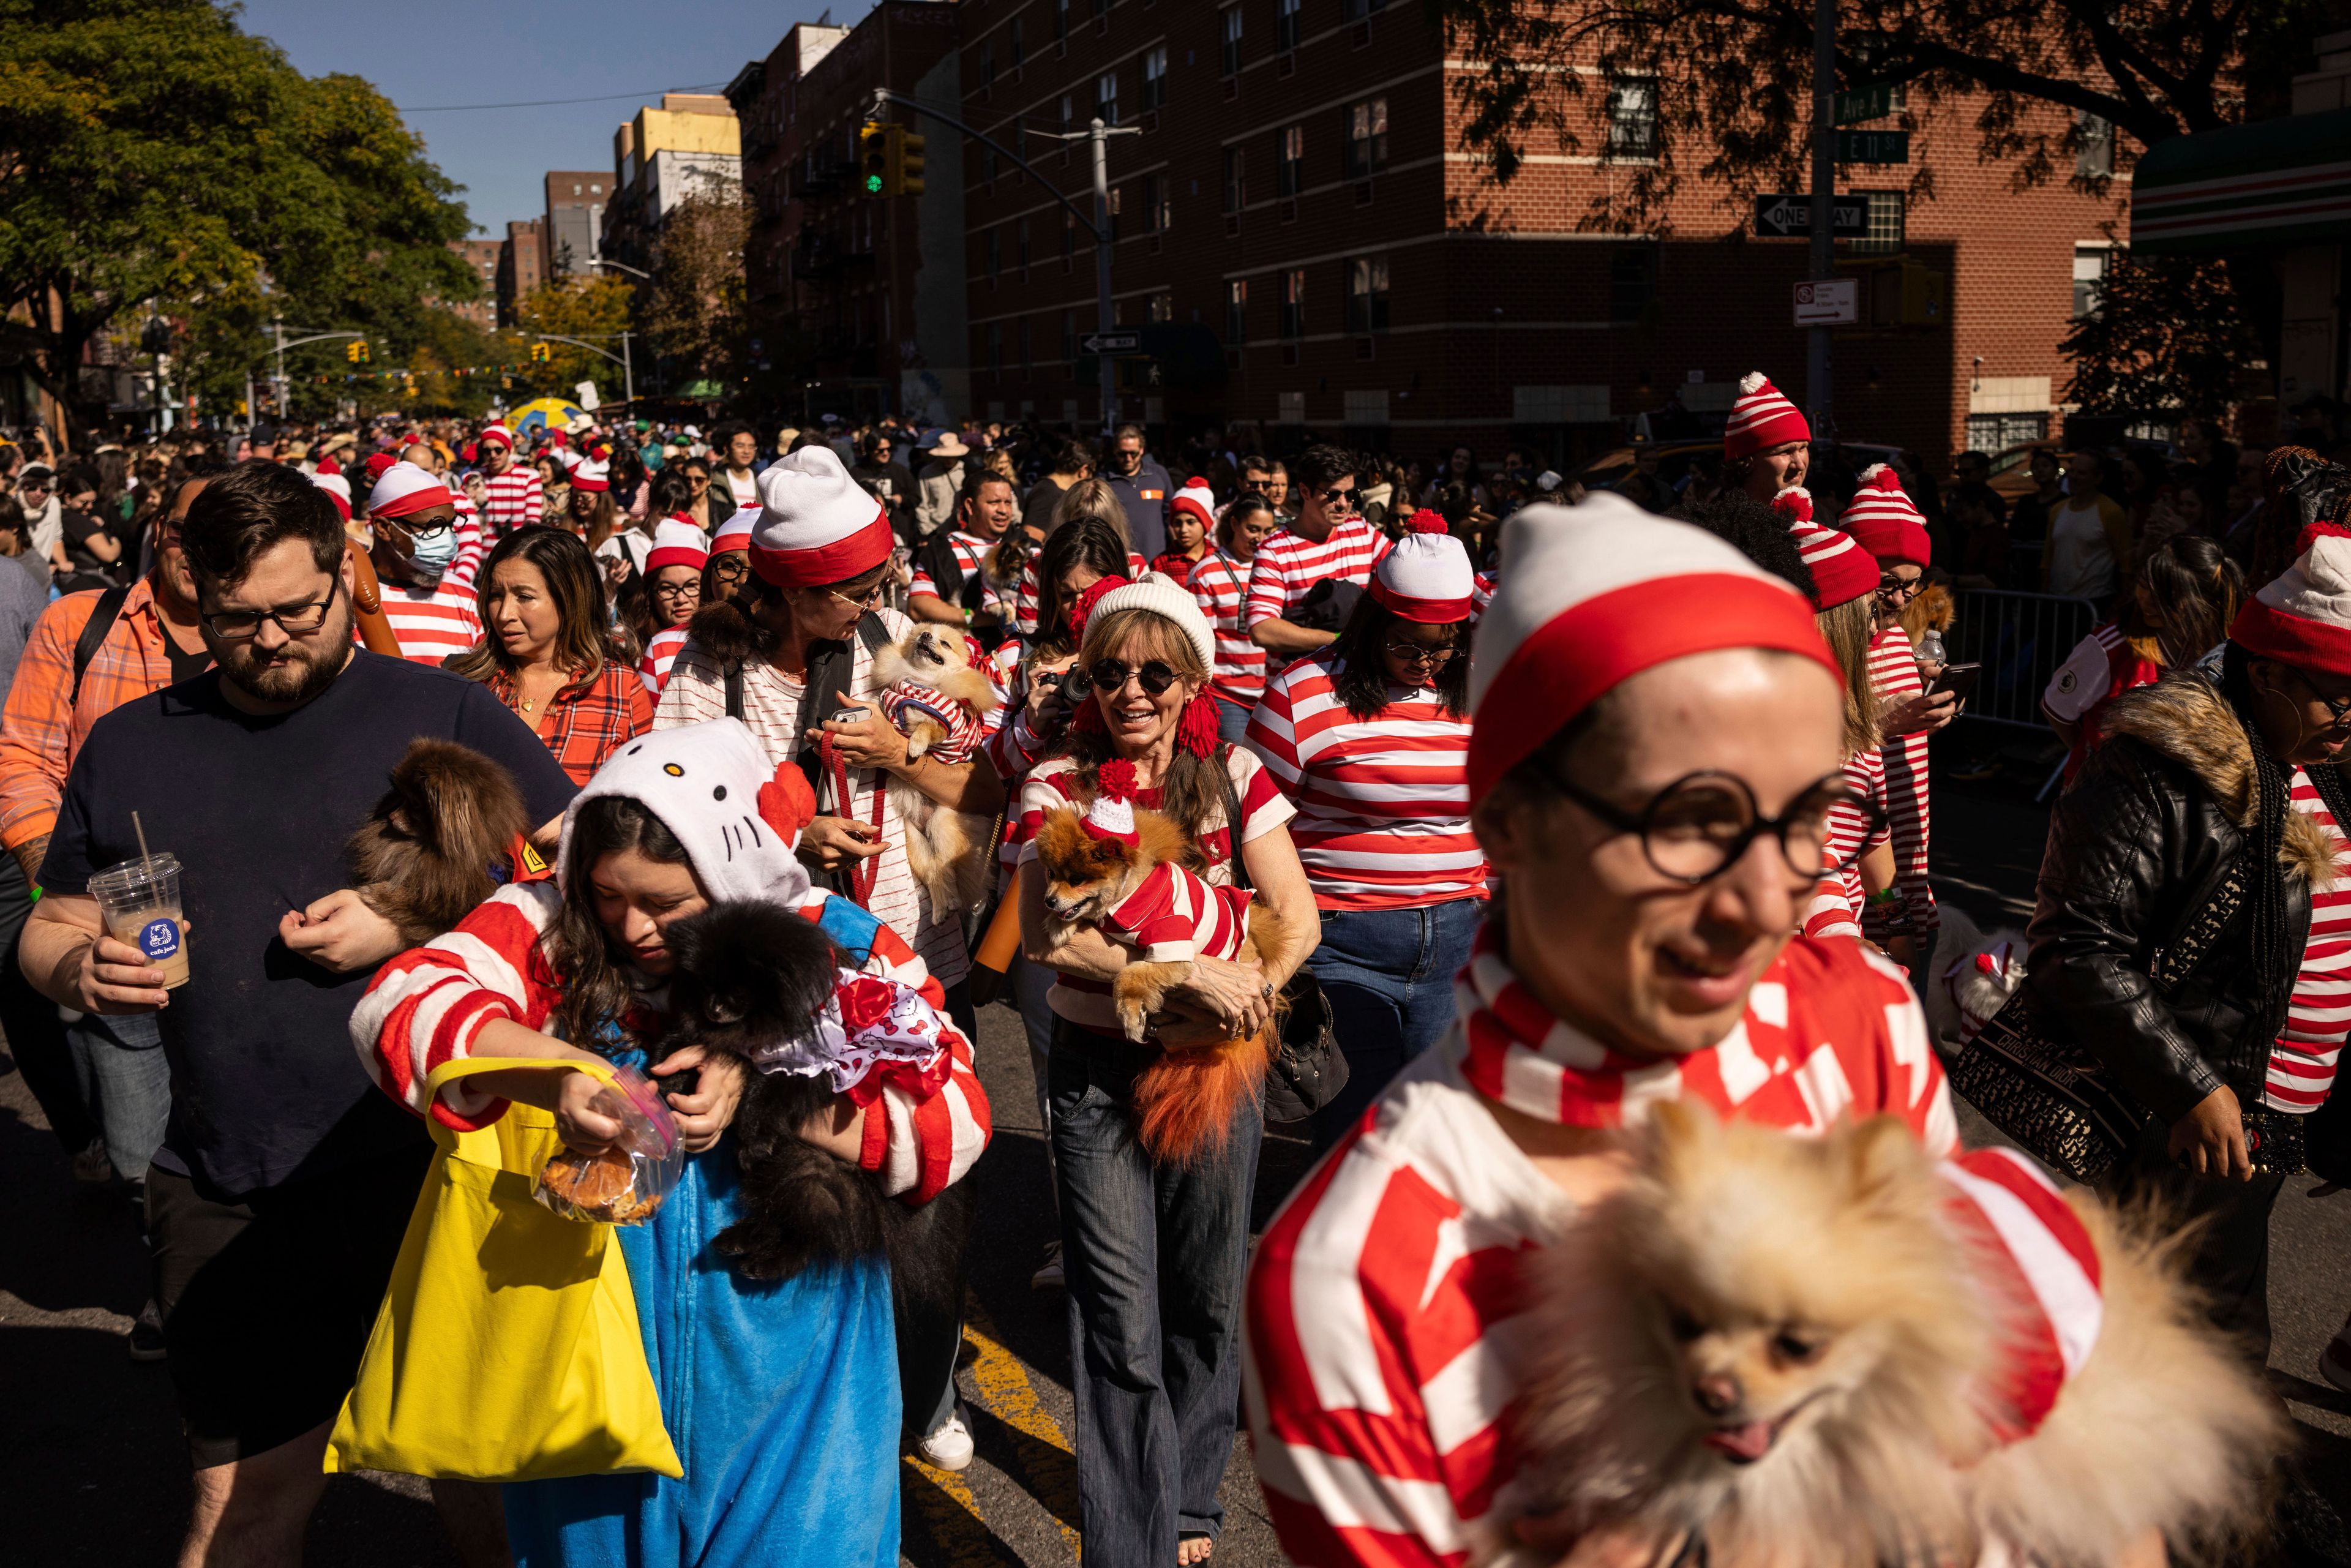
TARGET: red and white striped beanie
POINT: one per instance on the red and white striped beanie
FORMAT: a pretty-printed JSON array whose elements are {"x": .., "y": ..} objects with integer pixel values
[
  {"x": 590, "y": 474},
  {"x": 1426, "y": 577},
  {"x": 676, "y": 543},
  {"x": 1592, "y": 595},
  {"x": 1196, "y": 499},
  {"x": 1112, "y": 816},
  {"x": 1842, "y": 570},
  {"x": 2040, "y": 1266},
  {"x": 496, "y": 435},
  {"x": 405, "y": 488},
  {"x": 1761, "y": 419},
  {"x": 338, "y": 489},
  {"x": 816, "y": 524},
  {"x": 2303, "y": 618},
  {"x": 735, "y": 533},
  {"x": 1883, "y": 519}
]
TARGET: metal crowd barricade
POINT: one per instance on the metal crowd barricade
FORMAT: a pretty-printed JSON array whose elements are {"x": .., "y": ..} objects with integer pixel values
[{"x": 2021, "y": 639}]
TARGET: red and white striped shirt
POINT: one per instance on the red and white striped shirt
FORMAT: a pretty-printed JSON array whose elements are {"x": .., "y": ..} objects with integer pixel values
[
  {"x": 971, "y": 554},
  {"x": 431, "y": 623},
  {"x": 1382, "y": 802},
  {"x": 1894, "y": 671},
  {"x": 903, "y": 703},
  {"x": 1384, "y": 1348},
  {"x": 2302, "y": 1062},
  {"x": 1221, "y": 585},
  {"x": 661, "y": 652},
  {"x": 513, "y": 501},
  {"x": 1837, "y": 902},
  {"x": 1024, "y": 597},
  {"x": 1288, "y": 564},
  {"x": 429, "y": 1005}
]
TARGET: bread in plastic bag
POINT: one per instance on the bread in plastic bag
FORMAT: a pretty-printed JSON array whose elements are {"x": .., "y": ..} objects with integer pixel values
[{"x": 626, "y": 1183}]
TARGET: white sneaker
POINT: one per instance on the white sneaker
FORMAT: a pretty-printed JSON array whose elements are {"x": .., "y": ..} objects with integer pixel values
[
  {"x": 2334, "y": 1361},
  {"x": 949, "y": 1448},
  {"x": 1048, "y": 1276}
]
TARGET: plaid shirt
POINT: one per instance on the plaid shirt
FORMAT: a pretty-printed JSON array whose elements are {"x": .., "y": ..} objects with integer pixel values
[
  {"x": 587, "y": 720},
  {"x": 41, "y": 730}
]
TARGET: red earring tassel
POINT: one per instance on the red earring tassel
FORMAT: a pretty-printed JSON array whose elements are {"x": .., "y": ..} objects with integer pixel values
[{"x": 1196, "y": 731}]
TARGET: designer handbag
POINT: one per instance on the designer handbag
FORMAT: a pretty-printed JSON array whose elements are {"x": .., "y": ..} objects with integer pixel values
[{"x": 1310, "y": 1069}]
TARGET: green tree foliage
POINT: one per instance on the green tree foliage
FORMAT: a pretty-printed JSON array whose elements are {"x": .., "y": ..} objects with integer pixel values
[
  {"x": 152, "y": 150},
  {"x": 2169, "y": 336},
  {"x": 595, "y": 309},
  {"x": 694, "y": 311}
]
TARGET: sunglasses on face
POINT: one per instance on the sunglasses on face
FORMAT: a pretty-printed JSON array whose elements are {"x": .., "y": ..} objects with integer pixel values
[
  {"x": 1110, "y": 676},
  {"x": 1337, "y": 500},
  {"x": 1418, "y": 653},
  {"x": 864, "y": 602},
  {"x": 1891, "y": 587}
]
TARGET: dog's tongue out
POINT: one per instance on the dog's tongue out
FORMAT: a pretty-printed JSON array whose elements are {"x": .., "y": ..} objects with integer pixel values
[{"x": 1745, "y": 1444}]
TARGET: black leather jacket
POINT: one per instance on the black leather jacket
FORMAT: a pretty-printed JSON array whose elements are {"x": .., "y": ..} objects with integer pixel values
[{"x": 2139, "y": 844}]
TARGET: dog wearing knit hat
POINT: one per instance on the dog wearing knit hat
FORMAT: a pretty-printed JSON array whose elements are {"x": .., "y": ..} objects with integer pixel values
[
  {"x": 929, "y": 688},
  {"x": 1118, "y": 868}
]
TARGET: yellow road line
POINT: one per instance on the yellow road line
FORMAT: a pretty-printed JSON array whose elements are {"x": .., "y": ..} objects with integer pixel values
[
  {"x": 1006, "y": 1393},
  {"x": 965, "y": 1535}
]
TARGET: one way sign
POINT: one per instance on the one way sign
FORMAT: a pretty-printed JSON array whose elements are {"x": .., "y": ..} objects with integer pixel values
[
  {"x": 1113, "y": 342},
  {"x": 1791, "y": 217}
]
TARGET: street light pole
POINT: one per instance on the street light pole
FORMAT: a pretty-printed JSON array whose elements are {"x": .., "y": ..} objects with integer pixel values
[
  {"x": 1817, "y": 391},
  {"x": 627, "y": 373},
  {"x": 1102, "y": 311}
]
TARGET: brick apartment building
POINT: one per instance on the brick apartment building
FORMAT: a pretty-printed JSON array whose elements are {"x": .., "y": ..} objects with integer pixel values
[
  {"x": 482, "y": 257},
  {"x": 688, "y": 145},
  {"x": 869, "y": 295},
  {"x": 574, "y": 220},
  {"x": 522, "y": 263},
  {"x": 1299, "y": 197}
]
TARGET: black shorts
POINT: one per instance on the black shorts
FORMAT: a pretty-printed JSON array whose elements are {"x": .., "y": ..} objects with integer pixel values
[{"x": 267, "y": 1303}]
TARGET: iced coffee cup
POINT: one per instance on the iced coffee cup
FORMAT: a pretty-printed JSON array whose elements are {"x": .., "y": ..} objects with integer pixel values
[{"x": 140, "y": 902}]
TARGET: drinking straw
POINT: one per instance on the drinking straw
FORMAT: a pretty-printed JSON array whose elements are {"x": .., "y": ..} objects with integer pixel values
[{"x": 145, "y": 859}]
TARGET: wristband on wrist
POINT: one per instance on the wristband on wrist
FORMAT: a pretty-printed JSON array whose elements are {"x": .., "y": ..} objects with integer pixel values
[{"x": 1884, "y": 896}]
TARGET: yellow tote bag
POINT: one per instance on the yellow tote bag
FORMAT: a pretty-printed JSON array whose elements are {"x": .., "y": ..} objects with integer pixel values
[{"x": 507, "y": 1348}]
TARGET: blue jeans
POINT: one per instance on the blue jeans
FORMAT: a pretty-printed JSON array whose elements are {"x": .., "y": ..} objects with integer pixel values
[
  {"x": 1388, "y": 974},
  {"x": 1232, "y": 720},
  {"x": 1155, "y": 1257},
  {"x": 119, "y": 1062}
]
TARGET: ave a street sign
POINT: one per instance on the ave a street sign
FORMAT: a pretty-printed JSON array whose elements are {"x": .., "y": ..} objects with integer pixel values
[
  {"x": 1832, "y": 302},
  {"x": 1111, "y": 342},
  {"x": 1791, "y": 217},
  {"x": 1865, "y": 103},
  {"x": 1873, "y": 146}
]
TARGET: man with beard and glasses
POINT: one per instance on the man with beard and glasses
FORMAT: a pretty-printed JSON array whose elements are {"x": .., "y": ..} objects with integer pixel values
[{"x": 278, "y": 1198}]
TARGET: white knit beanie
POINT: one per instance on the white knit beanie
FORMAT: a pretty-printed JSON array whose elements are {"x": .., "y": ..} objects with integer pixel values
[{"x": 1158, "y": 593}]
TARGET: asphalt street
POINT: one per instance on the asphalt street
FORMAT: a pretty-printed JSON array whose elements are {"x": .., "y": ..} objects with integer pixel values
[{"x": 92, "y": 1471}]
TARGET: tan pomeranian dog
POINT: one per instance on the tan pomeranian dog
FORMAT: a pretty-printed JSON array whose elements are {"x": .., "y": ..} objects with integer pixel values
[
  {"x": 1804, "y": 1353},
  {"x": 947, "y": 851},
  {"x": 1184, "y": 1103}
]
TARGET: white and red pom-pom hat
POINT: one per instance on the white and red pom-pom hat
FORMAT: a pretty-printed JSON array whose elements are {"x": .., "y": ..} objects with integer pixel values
[
  {"x": 2303, "y": 617},
  {"x": 1111, "y": 815},
  {"x": 1842, "y": 570},
  {"x": 1589, "y": 596},
  {"x": 405, "y": 488},
  {"x": 338, "y": 489},
  {"x": 1426, "y": 577},
  {"x": 735, "y": 533},
  {"x": 1886, "y": 522},
  {"x": 1196, "y": 499},
  {"x": 1761, "y": 419},
  {"x": 816, "y": 524},
  {"x": 496, "y": 435},
  {"x": 590, "y": 474},
  {"x": 676, "y": 543}
]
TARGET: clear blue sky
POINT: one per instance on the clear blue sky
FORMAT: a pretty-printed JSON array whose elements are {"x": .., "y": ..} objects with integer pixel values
[{"x": 431, "y": 52}]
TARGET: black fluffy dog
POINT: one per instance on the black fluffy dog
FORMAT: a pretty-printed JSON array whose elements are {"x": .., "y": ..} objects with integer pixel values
[{"x": 749, "y": 974}]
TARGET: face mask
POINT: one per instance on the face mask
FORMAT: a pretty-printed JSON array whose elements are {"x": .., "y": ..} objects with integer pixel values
[{"x": 434, "y": 553}]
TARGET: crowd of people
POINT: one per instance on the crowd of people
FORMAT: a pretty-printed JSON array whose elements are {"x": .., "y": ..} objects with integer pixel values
[{"x": 1553, "y": 810}]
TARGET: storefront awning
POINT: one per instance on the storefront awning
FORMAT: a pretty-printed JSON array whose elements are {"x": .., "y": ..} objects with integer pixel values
[{"x": 2276, "y": 182}]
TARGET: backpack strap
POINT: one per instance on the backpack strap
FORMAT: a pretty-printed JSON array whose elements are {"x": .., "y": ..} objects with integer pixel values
[{"x": 102, "y": 617}]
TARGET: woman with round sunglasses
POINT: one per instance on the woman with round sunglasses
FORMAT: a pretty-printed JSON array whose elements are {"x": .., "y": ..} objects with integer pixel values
[
  {"x": 1154, "y": 1253},
  {"x": 1370, "y": 740},
  {"x": 1655, "y": 748}
]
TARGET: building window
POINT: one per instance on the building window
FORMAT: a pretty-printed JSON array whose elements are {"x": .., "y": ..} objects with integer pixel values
[
  {"x": 1021, "y": 243},
  {"x": 1060, "y": 21},
  {"x": 1106, "y": 97},
  {"x": 1294, "y": 303},
  {"x": 996, "y": 348},
  {"x": 1102, "y": 10},
  {"x": 1285, "y": 26},
  {"x": 1367, "y": 138},
  {"x": 1235, "y": 313},
  {"x": 1028, "y": 354},
  {"x": 1367, "y": 294},
  {"x": 2094, "y": 153},
  {"x": 1155, "y": 78},
  {"x": 1069, "y": 336},
  {"x": 1359, "y": 10},
  {"x": 1236, "y": 179},
  {"x": 1069, "y": 114},
  {"x": 1290, "y": 175},
  {"x": 1885, "y": 233},
  {"x": 1632, "y": 119},
  {"x": 1229, "y": 41},
  {"x": 1632, "y": 281},
  {"x": 1157, "y": 207},
  {"x": 1162, "y": 306},
  {"x": 2089, "y": 275},
  {"x": 992, "y": 251},
  {"x": 988, "y": 62},
  {"x": 1019, "y": 52},
  {"x": 1996, "y": 432},
  {"x": 987, "y": 166}
]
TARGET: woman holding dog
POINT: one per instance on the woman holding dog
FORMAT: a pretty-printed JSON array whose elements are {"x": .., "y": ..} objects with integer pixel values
[
  {"x": 780, "y": 1397},
  {"x": 1370, "y": 740},
  {"x": 1154, "y": 1253}
]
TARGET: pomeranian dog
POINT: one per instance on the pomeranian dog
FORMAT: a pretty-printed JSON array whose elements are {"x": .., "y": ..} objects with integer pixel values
[
  {"x": 1800, "y": 1353},
  {"x": 444, "y": 837},
  {"x": 1184, "y": 1101},
  {"x": 1970, "y": 977},
  {"x": 749, "y": 974},
  {"x": 930, "y": 667}
]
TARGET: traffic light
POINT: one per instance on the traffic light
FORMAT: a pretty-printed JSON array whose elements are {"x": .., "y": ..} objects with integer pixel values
[
  {"x": 356, "y": 352},
  {"x": 541, "y": 352},
  {"x": 905, "y": 177},
  {"x": 873, "y": 158}
]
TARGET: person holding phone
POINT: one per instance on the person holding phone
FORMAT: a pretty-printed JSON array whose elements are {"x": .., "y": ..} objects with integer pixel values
[{"x": 1885, "y": 522}]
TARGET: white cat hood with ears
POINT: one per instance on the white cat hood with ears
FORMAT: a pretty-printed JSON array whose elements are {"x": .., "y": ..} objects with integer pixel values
[{"x": 712, "y": 786}]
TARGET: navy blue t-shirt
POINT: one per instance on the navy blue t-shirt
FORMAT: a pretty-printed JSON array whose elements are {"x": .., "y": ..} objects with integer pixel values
[{"x": 265, "y": 1087}]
